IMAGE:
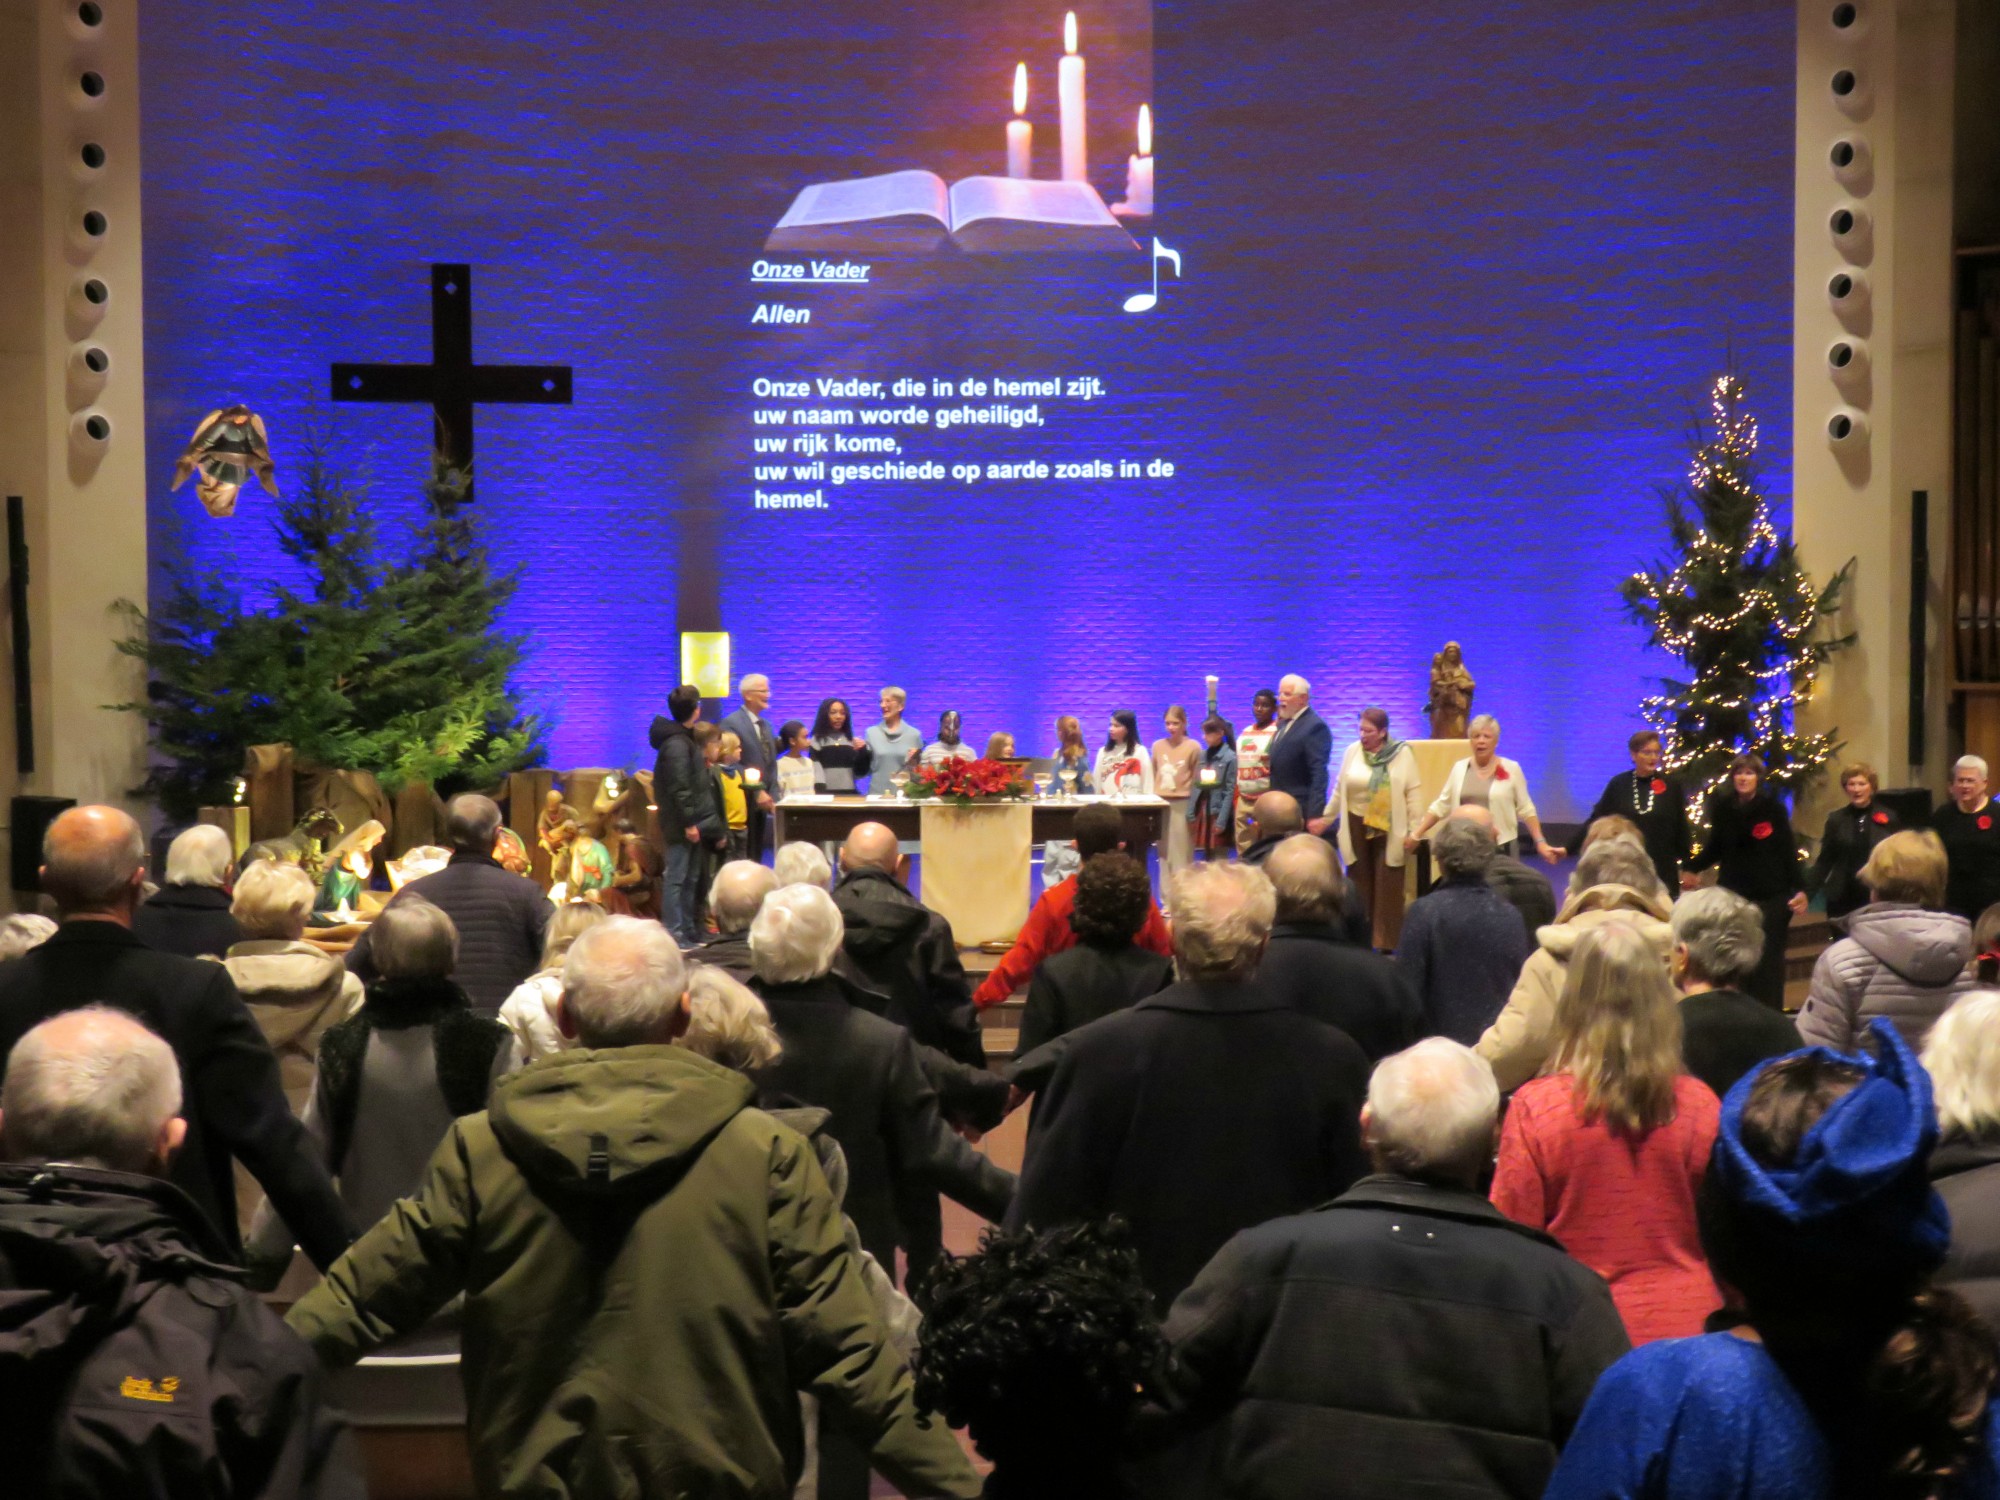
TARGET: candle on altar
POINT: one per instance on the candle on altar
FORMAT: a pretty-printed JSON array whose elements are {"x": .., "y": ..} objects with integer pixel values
[
  {"x": 1020, "y": 133},
  {"x": 1139, "y": 169},
  {"x": 752, "y": 777},
  {"x": 1069, "y": 98}
]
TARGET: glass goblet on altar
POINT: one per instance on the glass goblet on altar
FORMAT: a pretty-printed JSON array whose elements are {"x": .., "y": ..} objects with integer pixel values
[
  {"x": 1069, "y": 783},
  {"x": 1043, "y": 781},
  {"x": 900, "y": 781}
]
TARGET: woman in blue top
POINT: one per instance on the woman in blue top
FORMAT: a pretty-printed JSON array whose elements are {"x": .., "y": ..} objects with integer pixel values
[{"x": 1844, "y": 1371}]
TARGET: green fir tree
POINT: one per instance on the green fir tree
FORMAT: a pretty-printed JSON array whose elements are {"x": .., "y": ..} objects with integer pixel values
[{"x": 1735, "y": 607}]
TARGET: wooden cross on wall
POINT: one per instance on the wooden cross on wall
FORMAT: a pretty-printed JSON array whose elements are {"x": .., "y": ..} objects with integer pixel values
[{"x": 451, "y": 384}]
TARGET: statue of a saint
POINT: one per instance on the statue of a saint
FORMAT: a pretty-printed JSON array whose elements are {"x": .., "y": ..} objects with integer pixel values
[{"x": 1450, "y": 705}]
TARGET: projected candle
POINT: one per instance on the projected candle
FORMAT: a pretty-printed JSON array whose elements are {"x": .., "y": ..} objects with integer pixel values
[
  {"x": 1020, "y": 134},
  {"x": 1069, "y": 98},
  {"x": 1139, "y": 169}
]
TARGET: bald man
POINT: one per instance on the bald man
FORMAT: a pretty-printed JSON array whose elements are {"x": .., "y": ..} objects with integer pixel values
[
  {"x": 904, "y": 949},
  {"x": 1274, "y": 817},
  {"x": 152, "y": 1372},
  {"x": 93, "y": 865}
]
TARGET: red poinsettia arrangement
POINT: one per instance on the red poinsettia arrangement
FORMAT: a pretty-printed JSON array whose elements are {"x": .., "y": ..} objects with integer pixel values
[{"x": 968, "y": 781}]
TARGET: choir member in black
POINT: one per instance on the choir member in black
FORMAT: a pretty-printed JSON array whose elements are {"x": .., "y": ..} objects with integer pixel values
[
  {"x": 842, "y": 755},
  {"x": 1750, "y": 841},
  {"x": 1850, "y": 836},
  {"x": 1970, "y": 827},
  {"x": 1655, "y": 802}
]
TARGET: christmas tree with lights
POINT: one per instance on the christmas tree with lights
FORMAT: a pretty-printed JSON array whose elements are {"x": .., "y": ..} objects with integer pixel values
[{"x": 1735, "y": 607}]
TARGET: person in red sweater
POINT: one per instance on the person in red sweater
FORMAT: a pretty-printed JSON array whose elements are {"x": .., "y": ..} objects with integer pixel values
[
  {"x": 1099, "y": 830},
  {"x": 1607, "y": 1150}
]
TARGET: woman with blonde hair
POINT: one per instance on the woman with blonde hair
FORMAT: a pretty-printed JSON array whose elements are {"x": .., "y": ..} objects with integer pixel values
[
  {"x": 294, "y": 990},
  {"x": 1963, "y": 1058},
  {"x": 1607, "y": 1149},
  {"x": 530, "y": 1012},
  {"x": 1904, "y": 957}
]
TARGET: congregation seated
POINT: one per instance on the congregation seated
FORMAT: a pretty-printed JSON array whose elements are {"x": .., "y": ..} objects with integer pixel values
[
  {"x": 1099, "y": 830},
  {"x": 1406, "y": 1337},
  {"x": 738, "y": 890},
  {"x": 501, "y": 918},
  {"x": 190, "y": 914},
  {"x": 1107, "y": 970},
  {"x": 294, "y": 990},
  {"x": 1041, "y": 1347},
  {"x": 1843, "y": 1369},
  {"x": 1962, "y": 1056},
  {"x": 1461, "y": 947},
  {"x": 394, "y": 1076},
  {"x": 1607, "y": 1149},
  {"x": 1312, "y": 965},
  {"x": 1614, "y": 882},
  {"x": 1904, "y": 958},
  {"x": 800, "y": 863},
  {"x": 134, "y": 1363},
  {"x": 530, "y": 1012},
  {"x": 865, "y": 1069},
  {"x": 1718, "y": 938},
  {"x": 902, "y": 949},
  {"x": 1204, "y": 1109},
  {"x": 93, "y": 865},
  {"x": 652, "y": 1269}
]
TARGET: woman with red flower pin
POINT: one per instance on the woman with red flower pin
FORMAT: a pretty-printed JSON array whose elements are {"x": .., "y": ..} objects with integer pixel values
[
  {"x": 1850, "y": 836},
  {"x": 1750, "y": 842},
  {"x": 1655, "y": 802},
  {"x": 1970, "y": 827}
]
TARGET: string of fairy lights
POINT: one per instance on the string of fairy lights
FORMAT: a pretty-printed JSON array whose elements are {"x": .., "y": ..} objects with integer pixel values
[{"x": 1775, "y": 614}]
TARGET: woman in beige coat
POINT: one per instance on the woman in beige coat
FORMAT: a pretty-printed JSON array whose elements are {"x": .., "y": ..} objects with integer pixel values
[
  {"x": 1615, "y": 882},
  {"x": 294, "y": 990},
  {"x": 1374, "y": 805}
]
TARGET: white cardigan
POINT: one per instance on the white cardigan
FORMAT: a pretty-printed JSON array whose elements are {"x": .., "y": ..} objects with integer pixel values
[
  {"x": 1406, "y": 801},
  {"x": 1507, "y": 800}
]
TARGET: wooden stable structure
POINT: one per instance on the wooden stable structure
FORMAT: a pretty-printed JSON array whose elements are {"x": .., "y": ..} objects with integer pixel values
[{"x": 1975, "y": 502}]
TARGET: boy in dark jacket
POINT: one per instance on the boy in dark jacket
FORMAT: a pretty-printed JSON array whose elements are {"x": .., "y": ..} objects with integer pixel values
[
  {"x": 680, "y": 783},
  {"x": 133, "y": 1361}
]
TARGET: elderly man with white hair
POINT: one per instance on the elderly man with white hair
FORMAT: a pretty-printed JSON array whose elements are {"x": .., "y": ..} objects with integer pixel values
[
  {"x": 189, "y": 914},
  {"x": 1302, "y": 746},
  {"x": 652, "y": 1267},
  {"x": 751, "y": 725},
  {"x": 1204, "y": 1109},
  {"x": 1407, "y": 1336},
  {"x": 93, "y": 864},
  {"x": 1969, "y": 826},
  {"x": 738, "y": 890},
  {"x": 137, "y": 1365}
]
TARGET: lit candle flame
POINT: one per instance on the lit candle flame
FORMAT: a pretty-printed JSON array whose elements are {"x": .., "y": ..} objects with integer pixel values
[
  {"x": 343, "y": 913},
  {"x": 1069, "y": 33},
  {"x": 1020, "y": 88},
  {"x": 1145, "y": 130}
]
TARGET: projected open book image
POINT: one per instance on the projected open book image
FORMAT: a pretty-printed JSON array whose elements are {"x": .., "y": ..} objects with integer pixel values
[{"x": 917, "y": 213}]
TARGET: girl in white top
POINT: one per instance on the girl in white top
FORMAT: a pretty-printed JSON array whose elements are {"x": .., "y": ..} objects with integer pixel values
[
  {"x": 1123, "y": 756},
  {"x": 1489, "y": 780},
  {"x": 1176, "y": 759}
]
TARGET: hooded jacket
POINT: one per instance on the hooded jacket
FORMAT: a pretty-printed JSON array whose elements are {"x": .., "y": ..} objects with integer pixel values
[
  {"x": 682, "y": 787},
  {"x": 1519, "y": 1041},
  {"x": 1897, "y": 961},
  {"x": 652, "y": 1270},
  {"x": 906, "y": 951},
  {"x": 134, "y": 1363},
  {"x": 295, "y": 992},
  {"x": 191, "y": 920}
]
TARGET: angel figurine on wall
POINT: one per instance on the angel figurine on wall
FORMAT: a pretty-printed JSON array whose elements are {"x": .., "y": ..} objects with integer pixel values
[
  {"x": 1450, "y": 705},
  {"x": 229, "y": 446}
]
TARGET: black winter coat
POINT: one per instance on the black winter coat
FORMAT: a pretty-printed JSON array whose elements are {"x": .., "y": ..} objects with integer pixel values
[
  {"x": 1526, "y": 890},
  {"x": 191, "y": 920},
  {"x": 1752, "y": 844},
  {"x": 1313, "y": 968},
  {"x": 234, "y": 1101},
  {"x": 501, "y": 919},
  {"x": 1404, "y": 1339},
  {"x": 134, "y": 1363},
  {"x": 682, "y": 787},
  {"x": 1087, "y": 983},
  {"x": 1724, "y": 1034},
  {"x": 906, "y": 951},
  {"x": 1850, "y": 836},
  {"x": 900, "y": 1153},
  {"x": 1200, "y": 1111},
  {"x": 1966, "y": 1175}
]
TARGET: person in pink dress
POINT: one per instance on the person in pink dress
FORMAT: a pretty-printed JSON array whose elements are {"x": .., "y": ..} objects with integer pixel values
[{"x": 1606, "y": 1151}]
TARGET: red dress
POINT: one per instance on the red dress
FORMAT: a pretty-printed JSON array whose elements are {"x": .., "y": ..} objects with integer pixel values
[{"x": 1623, "y": 1207}]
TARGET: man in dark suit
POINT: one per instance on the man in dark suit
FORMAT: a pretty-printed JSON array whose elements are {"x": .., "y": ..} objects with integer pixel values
[
  {"x": 1204, "y": 1109},
  {"x": 93, "y": 865},
  {"x": 501, "y": 917},
  {"x": 760, "y": 753},
  {"x": 1314, "y": 963},
  {"x": 1300, "y": 750}
]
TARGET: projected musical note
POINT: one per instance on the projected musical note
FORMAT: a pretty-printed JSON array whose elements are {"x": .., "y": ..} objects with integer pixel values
[{"x": 1147, "y": 301}]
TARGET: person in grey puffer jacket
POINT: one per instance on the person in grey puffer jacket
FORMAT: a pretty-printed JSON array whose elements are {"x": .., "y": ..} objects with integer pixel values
[{"x": 1903, "y": 959}]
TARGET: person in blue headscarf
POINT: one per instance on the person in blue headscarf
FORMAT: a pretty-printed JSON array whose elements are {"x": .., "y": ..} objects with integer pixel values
[{"x": 1837, "y": 1369}]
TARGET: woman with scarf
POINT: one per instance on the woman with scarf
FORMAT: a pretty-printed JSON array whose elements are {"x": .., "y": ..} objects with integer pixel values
[
  {"x": 1376, "y": 804},
  {"x": 1838, "y": 1368},
  {"x": 1750, "y": 842}
]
